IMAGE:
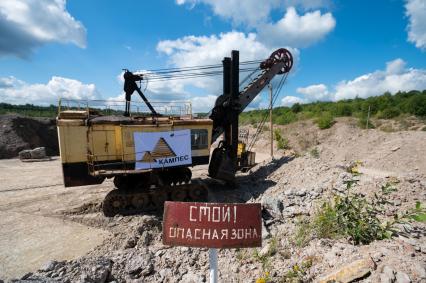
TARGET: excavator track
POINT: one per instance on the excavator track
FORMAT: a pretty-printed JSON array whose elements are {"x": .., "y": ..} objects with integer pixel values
[{"x": 127, "y": 202}]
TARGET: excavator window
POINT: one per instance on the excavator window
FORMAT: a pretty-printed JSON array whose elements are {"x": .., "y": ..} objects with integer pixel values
[{"x": 199, "y": 138}]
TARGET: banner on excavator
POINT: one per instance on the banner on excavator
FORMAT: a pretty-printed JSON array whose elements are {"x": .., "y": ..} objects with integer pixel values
[{"x": 162, "y": 149}]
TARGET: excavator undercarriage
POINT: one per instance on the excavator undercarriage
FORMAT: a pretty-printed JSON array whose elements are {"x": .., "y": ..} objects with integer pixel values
[{"x": 147, "y": 192}]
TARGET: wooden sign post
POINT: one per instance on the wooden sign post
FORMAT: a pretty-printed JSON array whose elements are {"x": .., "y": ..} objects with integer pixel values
[{"x": 212, "y": 225}]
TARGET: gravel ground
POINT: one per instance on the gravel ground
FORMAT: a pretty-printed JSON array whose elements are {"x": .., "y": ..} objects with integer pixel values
[{"x": 290, "y": 187}]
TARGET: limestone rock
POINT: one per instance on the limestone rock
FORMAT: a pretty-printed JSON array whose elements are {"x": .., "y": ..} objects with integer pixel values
[
  {"x": 49, "y": 266},
  {"x": 192, "y": 278},
  {"x": 420, "y": 271},
  {"x": 38, "y": 153},
  {"x": 402, "y": 277},
  {"x": 388, "y": 275},
  {"x": 350, "y": 272},
  {"x": 139, "y": 265},
  {"x": 25, "y": 154}
]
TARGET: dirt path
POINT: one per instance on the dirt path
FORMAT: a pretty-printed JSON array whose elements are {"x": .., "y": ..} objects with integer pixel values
[{"x": 32, "y": 230}]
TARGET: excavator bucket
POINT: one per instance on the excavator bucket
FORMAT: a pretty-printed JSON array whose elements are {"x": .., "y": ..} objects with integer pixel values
[{"x": 222, "y": 166}]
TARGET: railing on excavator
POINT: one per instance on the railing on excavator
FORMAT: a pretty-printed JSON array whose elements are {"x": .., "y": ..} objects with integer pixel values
[
  {"x": 113, "y": 107},
  {"x": 113, "y": 167}
]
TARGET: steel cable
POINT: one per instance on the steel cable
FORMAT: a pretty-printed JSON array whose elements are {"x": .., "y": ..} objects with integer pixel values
[{"x": 265, "y": 116}]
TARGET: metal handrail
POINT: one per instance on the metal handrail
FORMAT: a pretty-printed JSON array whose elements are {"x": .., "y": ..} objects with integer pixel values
[{"x": 168, "y": 108}]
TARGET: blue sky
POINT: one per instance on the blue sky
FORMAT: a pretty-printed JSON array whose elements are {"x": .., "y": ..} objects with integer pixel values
[{"x": 76, "y": 49}]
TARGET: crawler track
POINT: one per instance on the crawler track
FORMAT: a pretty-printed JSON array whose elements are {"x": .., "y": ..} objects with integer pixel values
[{"x": 126, "y": 202}]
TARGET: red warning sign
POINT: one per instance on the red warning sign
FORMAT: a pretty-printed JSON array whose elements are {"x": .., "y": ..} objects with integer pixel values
[{"x": 212, "y": 225}]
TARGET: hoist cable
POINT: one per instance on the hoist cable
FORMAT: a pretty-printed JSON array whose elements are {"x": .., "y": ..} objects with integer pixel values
[
  {"x": 201, "y": 67},
  {"x": 262, "y": 123},
  {"x": 265, "y": 116}
]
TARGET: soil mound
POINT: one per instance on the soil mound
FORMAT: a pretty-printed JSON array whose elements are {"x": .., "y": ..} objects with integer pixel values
[{"x": 18, "y": 133}]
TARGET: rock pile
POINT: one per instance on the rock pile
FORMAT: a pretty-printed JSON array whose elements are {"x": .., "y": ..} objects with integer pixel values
[{"x": 19, "y": 133}]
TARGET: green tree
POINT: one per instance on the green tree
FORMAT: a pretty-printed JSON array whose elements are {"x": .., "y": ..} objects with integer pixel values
[{"x": 296, "y": 108}]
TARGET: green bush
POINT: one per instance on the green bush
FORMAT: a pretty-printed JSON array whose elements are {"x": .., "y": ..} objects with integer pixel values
[
  {"x": 282, "y": 143},
  {"x": 354, "y": 217},
  {"x": 362, "y": 123},
  {"x": 325, "y": 121},
  {"x": 296, "y": 108},
  {"x": 389, "y": 113},
  {"x": 417, "y": 105},
  {"x": 342, "y": 110},
  {"x": 351, "y": 216},
  {"x": 286, "y": 118}
]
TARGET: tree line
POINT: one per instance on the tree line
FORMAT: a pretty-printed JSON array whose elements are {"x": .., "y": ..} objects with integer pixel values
[{"x": 385, "y": 106}]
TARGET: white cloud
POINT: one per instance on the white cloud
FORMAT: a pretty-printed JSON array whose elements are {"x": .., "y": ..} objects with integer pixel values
[
  {"x": 290, "y": 100},
  {"x": 315, "y": 92},
  {"x": 15, "y": 91},
  {"x": 170, "y": 93},
  {"x": 202, "y": 50},
  {"x": 416, "y": 12},
  {"x": 203, "y": 103},
  {"x": 396, "y": 66},
  {"x": 206, "y": 50},
  {"x": 167, "y": 91},
  {"x": 308, "y": 4},
  {"x": 395, "y": 78},
  {"x": 10, "y": 82},
  {"x": 196, "y": 50},
  {"x": 25, "y": 25},
  {"x": 252, "y": 12},
  {"x": 297, "y": 30}
]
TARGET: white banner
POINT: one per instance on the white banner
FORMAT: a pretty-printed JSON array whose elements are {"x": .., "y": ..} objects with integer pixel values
[{"x": 162, "y": 149}]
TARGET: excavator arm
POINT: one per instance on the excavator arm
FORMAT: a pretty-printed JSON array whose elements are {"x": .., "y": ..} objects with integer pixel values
[{"x": 224, "y": 161}]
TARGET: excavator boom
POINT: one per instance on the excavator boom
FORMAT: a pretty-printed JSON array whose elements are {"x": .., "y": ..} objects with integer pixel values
[{"x": 224, "y": 161}]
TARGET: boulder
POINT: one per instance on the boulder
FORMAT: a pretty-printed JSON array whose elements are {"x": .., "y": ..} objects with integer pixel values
[
  {"x": 25, "y": 154},
  {"x": 388, "y": 275},
  {"x": 38, "y": 153},
  {"x": 96, "y": 271},
  {"x": 139, "y": 265},
  {"x": 420, "y": 271},
  {"x": 350, "y": 272},
  {"x": 48, "y": 266},
  {"x": 402, "y": 277},
  {"x": 273, "y": 205}
]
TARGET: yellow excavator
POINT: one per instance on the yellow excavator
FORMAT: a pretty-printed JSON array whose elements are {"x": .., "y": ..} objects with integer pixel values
[{"x": 149, "y": 154}]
